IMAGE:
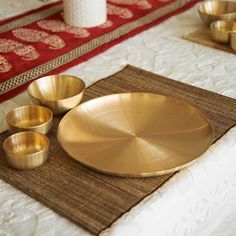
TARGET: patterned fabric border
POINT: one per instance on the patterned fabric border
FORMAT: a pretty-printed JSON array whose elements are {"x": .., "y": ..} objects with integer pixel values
[
  {"x": 25, "y": 20},
  {"x": 88, "y": 48}
]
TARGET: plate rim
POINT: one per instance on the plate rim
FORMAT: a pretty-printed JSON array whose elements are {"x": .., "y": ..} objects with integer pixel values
[{"x": 144, "y": 174}]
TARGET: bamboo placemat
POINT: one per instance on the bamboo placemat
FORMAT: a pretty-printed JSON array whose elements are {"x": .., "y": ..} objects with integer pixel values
[
  {"x": 202, "y": 36},
  {"x": 92, "y": 200}
]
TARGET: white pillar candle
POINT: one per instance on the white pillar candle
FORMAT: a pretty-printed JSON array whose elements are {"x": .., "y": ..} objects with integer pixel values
[{"x": 85, "y": 13}]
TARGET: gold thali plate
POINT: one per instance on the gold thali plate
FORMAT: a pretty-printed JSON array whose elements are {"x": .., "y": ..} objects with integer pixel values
[{"x": 135, "y": 134}]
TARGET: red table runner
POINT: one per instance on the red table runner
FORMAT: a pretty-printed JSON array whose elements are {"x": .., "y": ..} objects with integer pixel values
[{"x": 39, "y": 43}]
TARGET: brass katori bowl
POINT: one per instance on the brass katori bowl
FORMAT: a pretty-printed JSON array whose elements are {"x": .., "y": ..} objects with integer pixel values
[
  {"x": 232, "y": 40},
  {"x": 26, "y": 150},
  {"x": 32, "y": 117},
  {"x": 60, "y": 93},
  {"x": 220, "y": 30},
  {"x": 210, "y": 11}
]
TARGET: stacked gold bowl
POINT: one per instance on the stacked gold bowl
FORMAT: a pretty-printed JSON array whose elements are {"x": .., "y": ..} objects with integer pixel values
[
  {"x": 28, "y": 146},
  {"x": 220, "y": 16}
]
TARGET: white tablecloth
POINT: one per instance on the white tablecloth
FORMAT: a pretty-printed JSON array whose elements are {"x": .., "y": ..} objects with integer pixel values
[{"x": 200, "y": 200}]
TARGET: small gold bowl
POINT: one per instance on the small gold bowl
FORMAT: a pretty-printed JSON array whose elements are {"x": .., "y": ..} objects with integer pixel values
[
  {"x": 32, "y": 117},
  {"x": 220, "y": 30},
  {"x": 210, "y": 11},
  {"x": 26, "y": 150},
  {"x": 232, "y": 40},
  {"x": 60, "y": 93}
]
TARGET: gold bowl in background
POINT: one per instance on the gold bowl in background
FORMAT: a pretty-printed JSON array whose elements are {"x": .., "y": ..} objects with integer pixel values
[
  {"x": 60, "y": 93},
  {"x": 210, "y": 11},
  {"x": 26, "y": 150},
  {"x": 32, "y": 117},
  {"x": 135, "y": 134},
  {"x": 232, "y": 40},
  {"x": 220, "y": 30}
]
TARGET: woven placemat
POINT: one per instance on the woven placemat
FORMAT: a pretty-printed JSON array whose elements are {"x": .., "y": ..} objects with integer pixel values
[
  {"x": 93, "y": 200},
  {"x": 202, "y": 36}
]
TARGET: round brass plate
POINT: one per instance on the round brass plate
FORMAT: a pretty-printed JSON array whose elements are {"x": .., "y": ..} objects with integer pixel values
[{"x": 135, "y": 134}]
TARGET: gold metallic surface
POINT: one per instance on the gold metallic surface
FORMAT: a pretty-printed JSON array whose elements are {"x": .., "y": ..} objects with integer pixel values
[
  {"x": 221, "y": 29},
  {"x": 210, "y": 11},
  {"x": 32, "y": 117},
  {"x": 135, "y": 134},
  {"x": 60, "y": 93},
  {"x": 26, "y": 150},
  {"x": 232, "y": 40}
]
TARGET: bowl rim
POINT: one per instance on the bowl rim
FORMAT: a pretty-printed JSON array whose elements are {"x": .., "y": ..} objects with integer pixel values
[
  {"x": 26, "y": 155},
  {"x": 49, "y": 100},
  {"x": 29, "y": 127},
  {"x": 210, "y": 14}
]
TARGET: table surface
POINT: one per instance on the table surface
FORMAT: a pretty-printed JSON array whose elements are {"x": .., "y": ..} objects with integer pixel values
[{"x": 161, "y": 50}]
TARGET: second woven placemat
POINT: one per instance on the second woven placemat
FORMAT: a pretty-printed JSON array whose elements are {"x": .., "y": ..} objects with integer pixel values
[
  {"x": 202, "y": 36},
  {"x": 93, "y": 200}
]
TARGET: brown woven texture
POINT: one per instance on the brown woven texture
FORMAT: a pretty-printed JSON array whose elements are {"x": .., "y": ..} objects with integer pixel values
[
  {"x": 202, "y": 36},
  {"x": 92, "y": 200}
]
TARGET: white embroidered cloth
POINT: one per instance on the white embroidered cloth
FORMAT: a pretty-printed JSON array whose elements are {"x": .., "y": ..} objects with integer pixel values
[{"x": 200, "y": 200}]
